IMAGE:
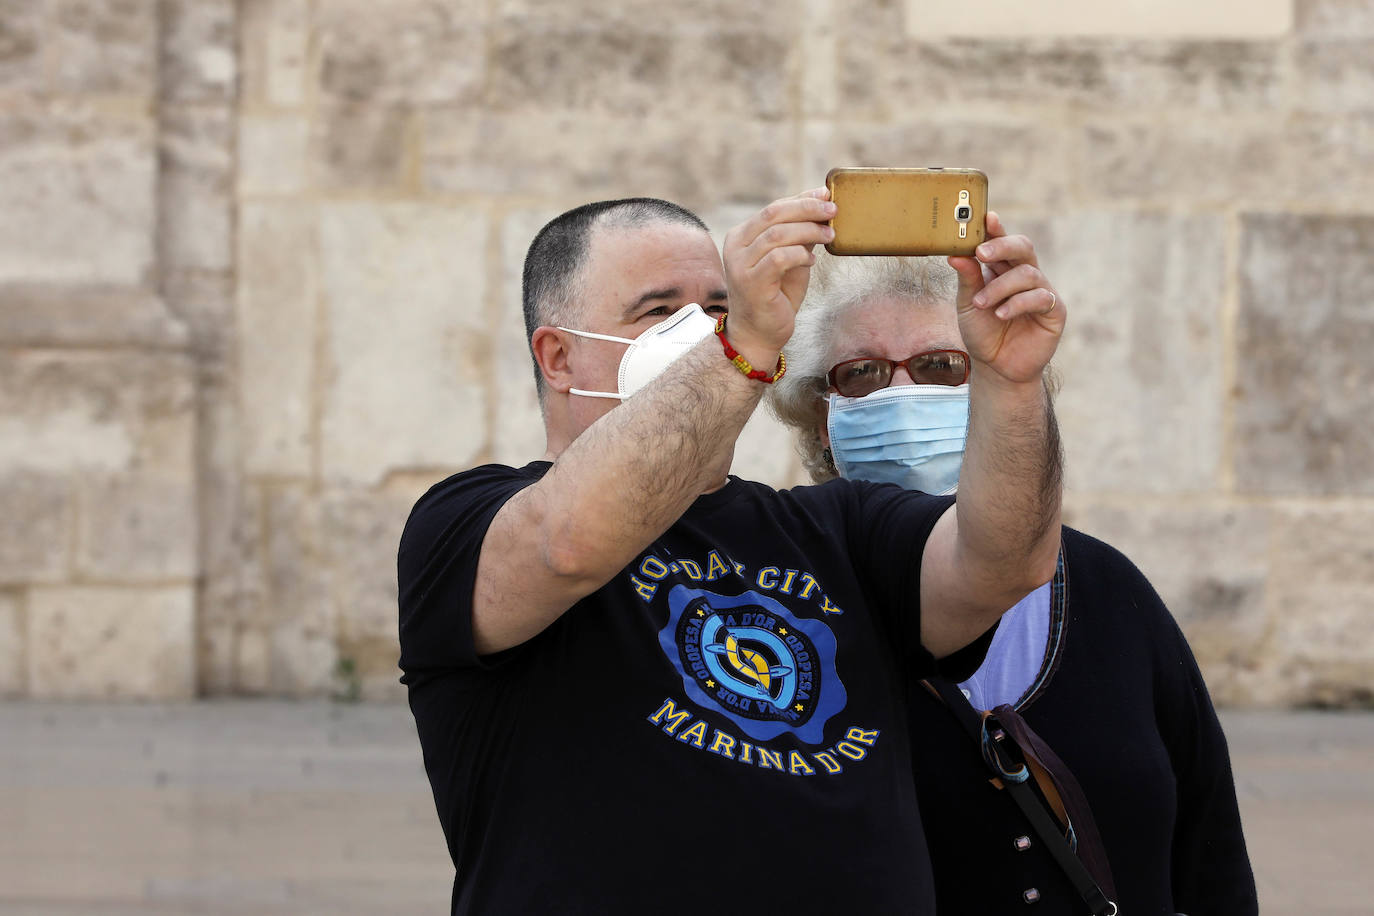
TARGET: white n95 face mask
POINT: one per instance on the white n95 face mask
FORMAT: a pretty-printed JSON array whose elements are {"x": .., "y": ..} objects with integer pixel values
[
  {"x": 651, "y": 352},
  {"x": 910, "y": 435}
]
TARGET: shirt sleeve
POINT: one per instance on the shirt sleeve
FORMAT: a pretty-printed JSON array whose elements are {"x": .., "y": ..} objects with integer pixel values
[
  {"x": 964, "y": 663},
  {"x": 888, "y": 538},
  {"x": 1211, "y": 867},
  {"x": 436, "y": 569}
]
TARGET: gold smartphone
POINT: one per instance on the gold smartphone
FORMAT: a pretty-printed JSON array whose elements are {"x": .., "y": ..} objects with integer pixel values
[{"x": 907, "y": 211}]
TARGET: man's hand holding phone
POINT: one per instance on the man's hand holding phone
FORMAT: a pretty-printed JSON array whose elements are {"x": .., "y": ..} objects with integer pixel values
[{"x": 768, "y": 262}]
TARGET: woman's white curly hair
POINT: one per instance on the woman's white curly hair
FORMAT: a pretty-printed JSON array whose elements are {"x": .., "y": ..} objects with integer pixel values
[{"x": 837, "y": 285}]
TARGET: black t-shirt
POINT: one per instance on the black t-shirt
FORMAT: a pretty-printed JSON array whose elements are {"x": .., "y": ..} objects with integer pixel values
[{"x": 718, "y": 729}]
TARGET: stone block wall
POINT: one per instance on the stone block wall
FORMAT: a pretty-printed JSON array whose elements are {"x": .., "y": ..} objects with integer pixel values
[{"x": 259, "y": 288}]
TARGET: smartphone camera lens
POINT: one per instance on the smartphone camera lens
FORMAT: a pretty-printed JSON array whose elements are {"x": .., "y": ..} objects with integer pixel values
[{"x": 962, "y": 214}]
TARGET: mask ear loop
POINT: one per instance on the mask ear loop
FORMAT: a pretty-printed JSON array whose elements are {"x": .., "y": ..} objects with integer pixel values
[
  {"x": 613, "y": 396},
  {"x": 594, "y": 336}
]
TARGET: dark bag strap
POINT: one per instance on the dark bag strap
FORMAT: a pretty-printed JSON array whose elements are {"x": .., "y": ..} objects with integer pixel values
[
  {"x": 1062, "y": 820},
  {"x": 1051, "y": 772}
]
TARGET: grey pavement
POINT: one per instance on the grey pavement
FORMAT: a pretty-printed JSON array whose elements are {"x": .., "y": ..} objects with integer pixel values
[{"x": 317, "y": 808}]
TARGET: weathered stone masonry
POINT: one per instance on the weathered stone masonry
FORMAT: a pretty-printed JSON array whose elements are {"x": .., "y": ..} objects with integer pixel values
[{"x": 259, "y": 287}]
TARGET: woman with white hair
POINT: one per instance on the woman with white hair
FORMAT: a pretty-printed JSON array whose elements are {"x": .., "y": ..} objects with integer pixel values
[{"x": 1092, "y": 661}]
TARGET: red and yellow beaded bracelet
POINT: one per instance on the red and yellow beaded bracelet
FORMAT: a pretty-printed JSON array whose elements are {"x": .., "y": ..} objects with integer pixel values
[{"x": 743, "y": 365}]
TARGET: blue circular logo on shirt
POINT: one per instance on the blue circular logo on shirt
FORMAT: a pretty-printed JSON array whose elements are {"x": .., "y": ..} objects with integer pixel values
[{"x": 751, "y": 659}]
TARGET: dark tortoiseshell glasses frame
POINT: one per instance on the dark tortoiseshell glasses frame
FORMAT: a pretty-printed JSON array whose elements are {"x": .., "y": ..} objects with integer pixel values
[{"x": 855, "y": 378}]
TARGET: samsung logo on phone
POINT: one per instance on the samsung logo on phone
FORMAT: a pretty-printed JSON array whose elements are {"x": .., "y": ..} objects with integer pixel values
[{"x": 934, "y": 212}]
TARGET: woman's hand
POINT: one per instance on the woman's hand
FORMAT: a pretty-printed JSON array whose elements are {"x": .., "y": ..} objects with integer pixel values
[{"x": 1012, "y": 321}]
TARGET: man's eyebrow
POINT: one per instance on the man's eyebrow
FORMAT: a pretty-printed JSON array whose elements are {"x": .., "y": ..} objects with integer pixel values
[{"x": 671, "y": 292}]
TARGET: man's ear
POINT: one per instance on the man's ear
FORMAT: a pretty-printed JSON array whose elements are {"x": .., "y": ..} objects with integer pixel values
[{"x": 550, "y": 348}]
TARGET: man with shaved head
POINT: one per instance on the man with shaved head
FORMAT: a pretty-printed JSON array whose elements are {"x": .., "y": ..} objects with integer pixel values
[{"x": 643, "y": 685}]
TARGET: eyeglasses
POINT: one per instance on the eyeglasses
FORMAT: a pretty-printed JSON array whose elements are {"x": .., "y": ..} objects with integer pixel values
[{"x": 855, "y": 378}]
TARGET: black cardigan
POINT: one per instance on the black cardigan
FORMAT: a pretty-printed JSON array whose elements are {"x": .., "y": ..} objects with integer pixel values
[{"x": 1121, "y": 701}]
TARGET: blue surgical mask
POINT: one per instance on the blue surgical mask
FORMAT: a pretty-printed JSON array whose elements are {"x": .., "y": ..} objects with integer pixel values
[{"x": 910, "y": 435}]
